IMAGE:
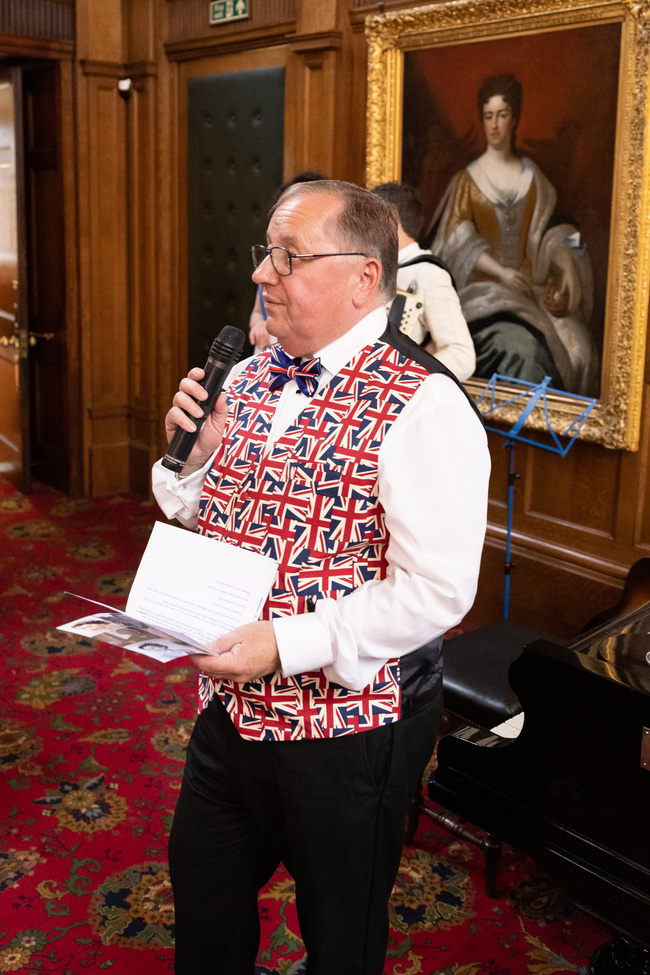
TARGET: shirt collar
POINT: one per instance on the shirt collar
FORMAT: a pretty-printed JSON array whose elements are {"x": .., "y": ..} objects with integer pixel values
[
  {"x": 339, "y": 352},
  {"x": 411, "y": 250}
]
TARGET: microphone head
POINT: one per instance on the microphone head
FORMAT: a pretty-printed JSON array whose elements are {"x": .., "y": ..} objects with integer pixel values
[{"x": 228, "y": 343}]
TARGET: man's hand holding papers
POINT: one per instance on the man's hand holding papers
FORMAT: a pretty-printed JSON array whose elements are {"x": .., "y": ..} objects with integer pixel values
[{"x": 249, "y": 652}]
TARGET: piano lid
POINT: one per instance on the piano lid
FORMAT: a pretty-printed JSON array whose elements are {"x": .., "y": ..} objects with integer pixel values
[{"x": 618, "y": 649}]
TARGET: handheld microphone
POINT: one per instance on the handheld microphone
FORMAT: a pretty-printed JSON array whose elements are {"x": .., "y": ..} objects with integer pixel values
[{"x": 225, "y": 352}]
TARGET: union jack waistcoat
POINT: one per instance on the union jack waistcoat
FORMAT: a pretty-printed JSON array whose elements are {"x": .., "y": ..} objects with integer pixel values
[{"x": 311, "y": 504}]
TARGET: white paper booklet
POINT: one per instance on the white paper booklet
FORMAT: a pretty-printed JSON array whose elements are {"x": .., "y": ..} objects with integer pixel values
[{"x": 189, "y": 589}]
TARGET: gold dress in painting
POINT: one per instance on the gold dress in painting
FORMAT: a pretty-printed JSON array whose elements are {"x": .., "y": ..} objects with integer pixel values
[{"x": 527, "y": 336}]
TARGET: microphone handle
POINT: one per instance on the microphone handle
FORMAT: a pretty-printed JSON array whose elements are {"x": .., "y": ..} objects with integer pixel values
[{"x": 180, "y": 446}]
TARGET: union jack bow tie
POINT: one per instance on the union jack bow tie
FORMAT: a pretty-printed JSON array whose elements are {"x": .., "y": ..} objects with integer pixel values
[{"x": 284, "y": 368}]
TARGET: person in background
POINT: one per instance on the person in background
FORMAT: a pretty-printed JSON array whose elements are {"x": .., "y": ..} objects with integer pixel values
[
  {"x": 440, "y": 326},
  {"x": 356, "y": 460},
  {"x": 258, "y": 336}
]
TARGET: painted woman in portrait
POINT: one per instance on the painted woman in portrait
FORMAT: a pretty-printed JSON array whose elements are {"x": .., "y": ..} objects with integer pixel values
[{"x": 524, "y": 280}]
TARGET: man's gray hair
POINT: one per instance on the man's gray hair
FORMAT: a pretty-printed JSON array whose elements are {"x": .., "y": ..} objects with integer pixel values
[{"x": 364, "y": 223}]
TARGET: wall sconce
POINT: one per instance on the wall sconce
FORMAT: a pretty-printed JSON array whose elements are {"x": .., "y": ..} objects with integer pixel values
[{"x": 124, "y": 88}]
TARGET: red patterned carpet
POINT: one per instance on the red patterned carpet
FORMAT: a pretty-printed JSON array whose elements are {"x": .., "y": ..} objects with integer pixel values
[{"x": 92, "y": 743}]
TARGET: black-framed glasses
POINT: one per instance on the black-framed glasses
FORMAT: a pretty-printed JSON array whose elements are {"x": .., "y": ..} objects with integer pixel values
[{"x": 282, "y": 259}]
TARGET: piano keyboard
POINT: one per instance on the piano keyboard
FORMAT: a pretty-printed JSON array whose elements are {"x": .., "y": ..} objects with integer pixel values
[{"x": 511, "y": 727}]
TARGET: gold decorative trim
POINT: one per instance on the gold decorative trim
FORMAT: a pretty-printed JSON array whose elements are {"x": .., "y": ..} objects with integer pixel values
[{"x": 616, "y": 418}]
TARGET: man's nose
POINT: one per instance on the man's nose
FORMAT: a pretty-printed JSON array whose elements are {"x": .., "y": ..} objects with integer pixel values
[{"x": 265, "y": 272}]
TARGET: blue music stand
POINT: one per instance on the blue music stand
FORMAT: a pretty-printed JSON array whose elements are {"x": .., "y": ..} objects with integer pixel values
[{"x": 530, "y": 396}]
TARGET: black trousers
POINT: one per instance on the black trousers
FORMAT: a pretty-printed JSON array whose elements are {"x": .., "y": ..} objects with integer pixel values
[{"x": 333, "y": 811}]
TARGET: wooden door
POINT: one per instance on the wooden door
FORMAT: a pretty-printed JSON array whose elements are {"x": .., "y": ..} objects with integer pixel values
[
  {"x": 14, "y": 374},
  {"x": 234, "y": 167},
  {"x": 46, "y": 246}
]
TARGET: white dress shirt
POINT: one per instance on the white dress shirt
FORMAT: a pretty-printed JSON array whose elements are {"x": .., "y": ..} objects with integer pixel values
[
  {"x": 433, "y": 477},
  {"x": 441, "y": 316}
]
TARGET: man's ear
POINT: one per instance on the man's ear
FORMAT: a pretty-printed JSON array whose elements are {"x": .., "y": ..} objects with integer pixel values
[{"x": 368, "y": 282}]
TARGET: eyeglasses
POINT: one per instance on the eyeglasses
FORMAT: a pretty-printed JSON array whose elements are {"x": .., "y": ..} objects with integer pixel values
[{"x": 281, "y": 258}]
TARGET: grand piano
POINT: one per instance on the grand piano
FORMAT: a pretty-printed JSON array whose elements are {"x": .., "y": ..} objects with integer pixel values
[{"x": 573, "y": 789}]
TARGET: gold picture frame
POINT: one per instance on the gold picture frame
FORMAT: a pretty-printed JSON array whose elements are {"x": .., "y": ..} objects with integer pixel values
[{"x": 443, "y": 46}]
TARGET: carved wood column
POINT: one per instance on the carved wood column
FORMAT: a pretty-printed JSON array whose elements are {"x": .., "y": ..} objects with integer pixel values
[
  {"x": 117, "y": 136},
  {"x": 101, "y": 136},
  {"x": 143, "y": 225},
  {"x": 319, "y": 80},
  {"x": 103, "y": 277}
]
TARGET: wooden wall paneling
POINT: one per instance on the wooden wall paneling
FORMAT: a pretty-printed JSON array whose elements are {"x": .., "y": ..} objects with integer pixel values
[
  {"x": 565, "y": 529},
  {"x": 321, "y": 48},
  {"x": 498, "y": 493},
  {"x": 641, "y": 501},
  {"x": 315, "y": 102},
  {"x": 349, "y": 159},
  {"x": 142, "y": 209},
  {"x": 548, "y": 588},
  {"x": 156, "y": 299},
  {"x": 143, "y": 25},
  {"x": 171, "y": 327},
  {"x": 578, "y": 491},
  {"x": 100, "y": 32},
  {"x": 292, "y": 150},
  {"x": 317, "y": 16},
  {"x": 554, "y": 494},
  {"x": 357, "y": 99},
  {"x": 104, "y": 280},
  {"x": 642, "y": 538}
]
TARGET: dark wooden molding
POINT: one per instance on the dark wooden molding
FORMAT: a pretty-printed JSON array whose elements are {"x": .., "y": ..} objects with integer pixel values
[
  {"x": 115, "y": 69},
  {"x": 109, "y": 412},
  {"x": 321, "y": 41},
  {"x": 104, "y": 69},
  {"x": 537, "y": 548},
  {"x": 141, "y": 69},
  {"x": 21, "y": 45},
  {"x": 230, "y": 43}
]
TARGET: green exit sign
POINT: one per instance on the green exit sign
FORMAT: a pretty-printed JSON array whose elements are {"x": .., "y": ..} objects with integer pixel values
[{"x": 222, "y": 11}]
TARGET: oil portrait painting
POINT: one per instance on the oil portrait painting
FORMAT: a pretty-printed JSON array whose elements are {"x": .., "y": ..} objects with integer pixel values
[{"x": 515, "y": 140}]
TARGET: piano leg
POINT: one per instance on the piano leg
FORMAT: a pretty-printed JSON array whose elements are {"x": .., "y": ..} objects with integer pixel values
[
  {"x": 413, "y": 817},
  {"x": 621, "y": 956},
  {"x": 488, "y": 844}
]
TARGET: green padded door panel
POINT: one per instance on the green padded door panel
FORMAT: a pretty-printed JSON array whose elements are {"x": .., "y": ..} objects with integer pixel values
[{"x": 235, "y": 157}]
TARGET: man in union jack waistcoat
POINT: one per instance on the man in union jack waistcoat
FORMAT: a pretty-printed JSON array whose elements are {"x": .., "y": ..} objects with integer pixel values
[{"x": 356, "y": 461}]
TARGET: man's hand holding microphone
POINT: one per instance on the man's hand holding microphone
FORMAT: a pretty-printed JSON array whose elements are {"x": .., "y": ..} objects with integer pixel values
[{"x": 195, "y": 423}]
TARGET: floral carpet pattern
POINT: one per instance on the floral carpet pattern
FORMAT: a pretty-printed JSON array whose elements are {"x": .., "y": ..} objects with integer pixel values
[{"x": 92, "y": 744}]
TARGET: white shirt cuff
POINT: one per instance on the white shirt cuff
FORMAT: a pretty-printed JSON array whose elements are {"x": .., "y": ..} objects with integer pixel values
[
  {"x": 304, "y": 643},
  {"x": 179, "y": 497}
]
